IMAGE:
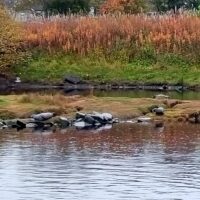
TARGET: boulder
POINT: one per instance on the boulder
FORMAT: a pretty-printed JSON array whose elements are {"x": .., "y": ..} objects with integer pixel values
[
  {"x": 43, "y": 116},
  {"x": 90, "y": 120},
  {"x": 72, "y": 79},
  {"x": 15, "y": 123},
  {"x": 102, "y": 118},
  {"x": 62, "y": 122}
]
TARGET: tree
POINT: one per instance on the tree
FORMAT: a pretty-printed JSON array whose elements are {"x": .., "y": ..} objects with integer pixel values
[
  {"x": 53, "y": 6},
  {"x": 193, "y": 4},
  {"x": 160, "y": 5},
  {"x": 66, "y": 6},
  {"x": 175, "y": 4},
  {"x": 123, "y": 6}
]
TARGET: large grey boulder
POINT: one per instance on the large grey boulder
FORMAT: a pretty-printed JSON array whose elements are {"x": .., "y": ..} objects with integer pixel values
[
  {"x": 102, "y": 118},
  {"x": 43, "y": 116}
]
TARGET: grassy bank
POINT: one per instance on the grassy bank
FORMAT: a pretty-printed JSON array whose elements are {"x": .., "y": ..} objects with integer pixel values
[
  {"x": 146, "y": 68},
  {"x": 20, "y": 106}
]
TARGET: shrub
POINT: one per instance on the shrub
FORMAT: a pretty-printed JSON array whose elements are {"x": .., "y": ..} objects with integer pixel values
[{"x": 10, "y": 42}]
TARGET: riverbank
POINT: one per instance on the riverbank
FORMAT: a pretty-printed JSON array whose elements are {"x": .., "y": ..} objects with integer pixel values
[
  {"x": 22, "y": 106},
  {"x": 165, "y": 69}
]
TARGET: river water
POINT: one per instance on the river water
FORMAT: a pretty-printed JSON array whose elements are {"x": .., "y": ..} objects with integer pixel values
[{"x": 128, "y": 161}]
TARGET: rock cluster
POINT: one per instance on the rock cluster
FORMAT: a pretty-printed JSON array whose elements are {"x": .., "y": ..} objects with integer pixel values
[{"x": 48, "y": 120}]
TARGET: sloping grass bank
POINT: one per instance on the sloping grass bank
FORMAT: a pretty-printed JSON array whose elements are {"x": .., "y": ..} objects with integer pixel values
[{"x": 148, "y": 68}]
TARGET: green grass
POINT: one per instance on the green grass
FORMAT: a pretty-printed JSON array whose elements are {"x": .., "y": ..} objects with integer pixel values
[{"x": 145, "y": 69}]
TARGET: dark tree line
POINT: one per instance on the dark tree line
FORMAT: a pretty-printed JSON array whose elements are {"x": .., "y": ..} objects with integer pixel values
[{"x": 165, "y": 5}]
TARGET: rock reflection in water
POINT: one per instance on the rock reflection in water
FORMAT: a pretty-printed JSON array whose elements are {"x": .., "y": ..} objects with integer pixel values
[{"x": 129, "y": 161}]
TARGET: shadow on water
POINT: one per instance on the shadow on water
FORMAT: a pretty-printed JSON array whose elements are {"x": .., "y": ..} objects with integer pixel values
[{"x": 126, "y": 162}]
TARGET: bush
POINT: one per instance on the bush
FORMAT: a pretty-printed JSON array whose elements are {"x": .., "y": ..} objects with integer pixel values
[{"x": 10, "y": 45}]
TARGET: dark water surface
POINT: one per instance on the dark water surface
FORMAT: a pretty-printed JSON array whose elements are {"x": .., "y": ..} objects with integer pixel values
[
  {"x": 125, "y": 162},
  {"x": 186, "y": 95}
]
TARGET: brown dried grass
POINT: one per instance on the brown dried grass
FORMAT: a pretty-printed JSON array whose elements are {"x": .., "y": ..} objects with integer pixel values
[{"x": 83, "y": 34}]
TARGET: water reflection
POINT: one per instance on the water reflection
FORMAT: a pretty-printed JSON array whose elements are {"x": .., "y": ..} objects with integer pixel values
[
  {"x": 126, "y": 162},
  {"x": 187, "y": 95}
]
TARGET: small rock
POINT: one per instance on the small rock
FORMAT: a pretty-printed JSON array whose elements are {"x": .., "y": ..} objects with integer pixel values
[
  {"x": 80, "y": 115},
  {"x": 159, "y": 124},
  {"x": 143, "y": 119},
  {"x": 20, "y": 124},
  {"x": 18, "y": 80},
  {"x": 159, "y": 111},
  {"x": 63, "y": 122},
  {"x": 31, "y": 125},
  {"x": 161, "y": 96},
  {"x": 72, "y": 79}
]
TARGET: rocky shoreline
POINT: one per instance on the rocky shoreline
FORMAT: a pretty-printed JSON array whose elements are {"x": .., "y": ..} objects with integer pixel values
[
  {"x": 89, "y": 121},
  {"x": 48, "y": 120}
]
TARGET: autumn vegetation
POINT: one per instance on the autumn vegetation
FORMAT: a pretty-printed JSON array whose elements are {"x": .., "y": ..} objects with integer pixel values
[
  {"x": 11, "y": 51},
  {"x": 111, "y": 47},
  {"x": 128, "y": 33}
]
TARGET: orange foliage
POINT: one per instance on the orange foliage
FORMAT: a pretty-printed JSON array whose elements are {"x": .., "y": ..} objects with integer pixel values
[
  {"x": 112, "y": 6},
  {"x": 122, "y": 6},
  {"x": 84, "y": 34}
]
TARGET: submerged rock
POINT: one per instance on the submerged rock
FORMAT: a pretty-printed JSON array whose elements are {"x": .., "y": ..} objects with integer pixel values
[{"x": 82, "y": 124}]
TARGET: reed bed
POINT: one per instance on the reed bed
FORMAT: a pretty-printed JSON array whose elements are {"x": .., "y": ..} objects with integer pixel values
[{"x": 84, "y": 34}]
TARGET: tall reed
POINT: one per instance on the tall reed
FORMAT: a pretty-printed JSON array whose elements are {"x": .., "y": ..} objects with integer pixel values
[{"x": 83, "y": 34}]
